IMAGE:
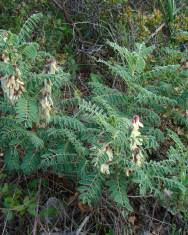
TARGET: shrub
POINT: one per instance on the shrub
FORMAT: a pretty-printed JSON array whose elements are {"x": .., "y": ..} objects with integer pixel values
[
  {"x": 122, "y": 151},
  {"x": 108, "y": 139}
]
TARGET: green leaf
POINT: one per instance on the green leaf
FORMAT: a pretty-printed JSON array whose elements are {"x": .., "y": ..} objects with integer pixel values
[
  {"x": 118, "y": 192},
  {"x": 12, "y": 160},
  {"x": 30, "y": 50},
  {"x": 96, "y": 78},
  {"x": 29, "y": 26},
  {"x": 30, "y": 162},
  {"x": 32, "y": 208},
  {"x": 90, "y": 188},
  {"x": 27, "y": 111}
]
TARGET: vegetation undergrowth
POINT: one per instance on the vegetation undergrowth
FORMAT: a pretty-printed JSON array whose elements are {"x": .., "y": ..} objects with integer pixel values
[{"x": 107, "y": 142}]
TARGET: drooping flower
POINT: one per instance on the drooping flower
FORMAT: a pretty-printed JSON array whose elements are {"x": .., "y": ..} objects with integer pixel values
[
  {"x": 5, "y": 57},
  {"x": 5, "y": 36},
  {"x": 106, "y": 149},
  {"x": 51, "y": 66},
  {"x": 109, "y": 153},
  {"x": 105, "y": 169}
]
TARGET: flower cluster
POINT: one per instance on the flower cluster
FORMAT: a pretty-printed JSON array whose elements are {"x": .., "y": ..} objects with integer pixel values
[
  {"x": 46, "y": 100},
  {"x": 13, "y": 86},
  {"x": 136, "y": 141},
  {"x": 135, "y": 145}
]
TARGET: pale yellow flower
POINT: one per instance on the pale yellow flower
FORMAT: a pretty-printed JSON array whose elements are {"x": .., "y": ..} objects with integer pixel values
[
  {"x": 109, "y": 153},
  {"x": 105, "y": 169},
  {"x": 139, "y": 159},
  {"x": 136, "y": 141},
  {"x": 135, "y": 133}
]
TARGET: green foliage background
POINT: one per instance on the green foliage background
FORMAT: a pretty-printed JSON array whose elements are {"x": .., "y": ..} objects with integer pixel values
[{"x": 104, "y": 78}]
